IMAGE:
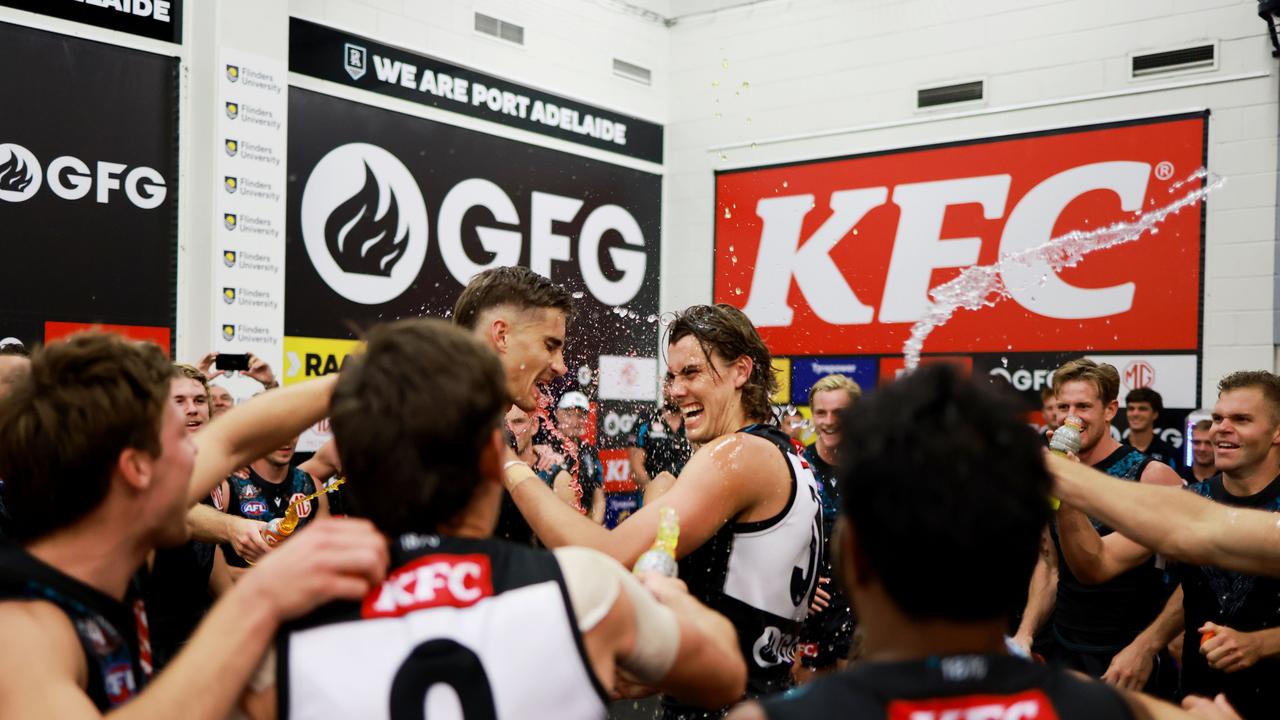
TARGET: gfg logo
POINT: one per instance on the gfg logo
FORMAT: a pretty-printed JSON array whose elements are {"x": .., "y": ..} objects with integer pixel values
[{"x": 70, "y": 178}]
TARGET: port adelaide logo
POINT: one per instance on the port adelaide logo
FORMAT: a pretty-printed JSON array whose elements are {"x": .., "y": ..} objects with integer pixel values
[{"x": 364, "y": 223}]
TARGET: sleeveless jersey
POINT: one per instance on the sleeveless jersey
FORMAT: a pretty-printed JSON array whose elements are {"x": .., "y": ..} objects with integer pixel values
[
  {"x": 467, "y": 629},
  {"x": 1107, "y": 617},
  {"x": 761, "y": 576},
  {"x": 257, "y": 499},
  {"x": 113, "y": 635},
  {"x": 961, "y": 687}
]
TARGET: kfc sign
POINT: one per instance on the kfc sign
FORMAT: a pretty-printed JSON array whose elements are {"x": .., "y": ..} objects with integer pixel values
[
  {"x": 431, "y": 581},
  {"x": 839, "y": 256}
]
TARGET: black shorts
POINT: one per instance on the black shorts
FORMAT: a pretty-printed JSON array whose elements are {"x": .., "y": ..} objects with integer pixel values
[{"x": 827, "y": 636}]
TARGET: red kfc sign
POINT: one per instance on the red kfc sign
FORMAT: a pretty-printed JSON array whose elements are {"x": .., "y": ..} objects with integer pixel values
[{"x": 838, "y": 256}]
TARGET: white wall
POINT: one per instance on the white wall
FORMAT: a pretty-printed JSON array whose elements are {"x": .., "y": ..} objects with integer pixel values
[{"x": 821, "y": 65}]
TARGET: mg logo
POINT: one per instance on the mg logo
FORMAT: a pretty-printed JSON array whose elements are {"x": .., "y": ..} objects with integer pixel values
[
  {"x": 356, "y": 60},
  {"x": 1139, "y": 374}
]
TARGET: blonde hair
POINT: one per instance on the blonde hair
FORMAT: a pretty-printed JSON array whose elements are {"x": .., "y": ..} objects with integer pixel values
[
  {"x": 836, "y": 382},
  {"x": 1105, "y": 377},
  {"x": 191, "y": 372}
]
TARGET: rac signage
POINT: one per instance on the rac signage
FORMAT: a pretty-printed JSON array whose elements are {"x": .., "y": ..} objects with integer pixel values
[{"x": 839, "y": 256}]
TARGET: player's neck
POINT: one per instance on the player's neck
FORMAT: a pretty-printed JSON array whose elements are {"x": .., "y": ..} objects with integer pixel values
[
  {"x": 828, "y": 454},
  {"x": 98, "y": 551},
  {"x": 1099, "y": 452},
  {"x": 1142, "y": 440},
  {"x": 272, "y": 473},
  {"x": 1252, "y": 480},
  {"x": 902, "y": 639},
  {"x": 1203, "y": 472}
]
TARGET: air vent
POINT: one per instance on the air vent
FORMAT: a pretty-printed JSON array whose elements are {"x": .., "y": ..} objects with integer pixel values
[
  {"x": 624, "y": 69},
  {"x": 1200, "y": 57},
  {"x": 949, "y": 94},
  {"x": 500, "y": 29}
]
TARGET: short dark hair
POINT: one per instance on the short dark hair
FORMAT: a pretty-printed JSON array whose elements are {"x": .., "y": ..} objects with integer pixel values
[
  {"x": 66, "y": 420},
  {"x": 727, "y": 331},
  {"x": 945, "y": 487},
  {"x": 1145, "y": 395},
  {"x": 518, "y": 287},
  {"x": 13, "y": 346},
  {"x": 410, "y": 417},
  {"x": 1268, "y": 383},
  {"x": 1047, "y": 392},
  {"x": 1203, "y": 425}
]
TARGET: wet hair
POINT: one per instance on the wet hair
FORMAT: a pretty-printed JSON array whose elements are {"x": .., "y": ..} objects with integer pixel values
[
  {"x": 947, "y": 494},
  {"x": 828, "y": 383},
  {"x": 410, "y": 418},
  {"x": 66, "y": 420},
  {"x": 14, "y": 346},
  {"x": 726, "y": 331},
  {"x": 1103, "y": 376},
  {"x": 191, "y": 372},
  {"x": 1145, "y": 395},
  {"x": 1268, "y": 383},
  {"x": 517, "y": 287}
]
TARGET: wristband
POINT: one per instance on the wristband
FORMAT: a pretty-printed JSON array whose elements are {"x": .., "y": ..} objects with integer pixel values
[{"x": 515, "y": 472}]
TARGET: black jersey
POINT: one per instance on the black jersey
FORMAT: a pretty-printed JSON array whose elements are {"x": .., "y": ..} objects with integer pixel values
[
  {"x": 961, "y": 687},
  {"x": 1241, "y": 602},
  {"x": 761, "y": 576},
  {"x": 113, "y": 634},
  {"x": 466, "y": 628},
  {"x": 1161, "y": 451},
  {"x": 1106, "y": 617},
  {"x": 665, "y": 450},
  {"x": 254, "y": 498}
]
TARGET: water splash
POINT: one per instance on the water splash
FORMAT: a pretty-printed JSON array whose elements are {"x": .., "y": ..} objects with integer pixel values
[{"x": 983, "y": 285}]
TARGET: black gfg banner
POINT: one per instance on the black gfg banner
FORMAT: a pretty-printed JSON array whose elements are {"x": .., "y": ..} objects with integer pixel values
[
  {"x": 390, "y": 215},
  {"x": 88, "y": 187}
]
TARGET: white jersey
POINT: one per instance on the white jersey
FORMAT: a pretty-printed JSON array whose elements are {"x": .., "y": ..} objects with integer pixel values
[
  {"x": 460, "y": 630},
  {"x": 761, "y": 575}
]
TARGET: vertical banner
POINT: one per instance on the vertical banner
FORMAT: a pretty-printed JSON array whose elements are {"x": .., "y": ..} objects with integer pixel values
[
  {"x": 834, "y": 259},
  {"x": 88, "y": 187},
  {"x": 249, "y": 263}
]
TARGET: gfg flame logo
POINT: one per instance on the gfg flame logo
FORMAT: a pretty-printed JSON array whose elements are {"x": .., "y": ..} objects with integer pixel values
[
  {"x": 364, "y": 223},
  {"x": 71, "y": 178},
  {"x": 19, "y": 173}
]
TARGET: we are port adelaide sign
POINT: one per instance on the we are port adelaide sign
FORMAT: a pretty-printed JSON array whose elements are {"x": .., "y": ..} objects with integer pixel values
[
  {"x": 88, "y": 187},
  {"x": 837, "y": 257},
  {"x": 391, "y": 215}
]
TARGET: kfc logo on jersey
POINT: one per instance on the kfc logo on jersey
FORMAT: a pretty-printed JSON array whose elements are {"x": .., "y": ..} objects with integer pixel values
[
  {"x": 304, "y": 509},
  {"x": 840, "y": 255},
  {"x": 431, "y": 581},
  {"x": 1029, "y": 705}
]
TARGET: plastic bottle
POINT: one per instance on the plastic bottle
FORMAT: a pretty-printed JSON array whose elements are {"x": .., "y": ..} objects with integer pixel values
[
  {"x": 282, "y": 527},
  {"x": 661, "y": 558},
  {"x": 1066, "y": 439}
]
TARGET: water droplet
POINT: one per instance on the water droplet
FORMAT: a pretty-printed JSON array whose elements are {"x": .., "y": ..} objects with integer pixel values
[
  {"x": 727, "y": 214},
  {"x": 651, "y": 318},
  {"x": 723, "y": 156},
  {"x": 579, "y": 295},
  {"x": 785, "y": 183},
  {"x": 733, "y": 259},
  {"x": 753, "y": 146},
  {"x": 737, "y": 291}
]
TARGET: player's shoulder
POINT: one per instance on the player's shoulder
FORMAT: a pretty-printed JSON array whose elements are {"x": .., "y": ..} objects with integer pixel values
[
  {"x": 1158, "y": 473},
  {"x": 40, "y": 631}
]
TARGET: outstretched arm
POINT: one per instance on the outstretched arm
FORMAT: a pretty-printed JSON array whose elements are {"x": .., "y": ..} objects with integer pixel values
[
  {"x": 1175, "y": 523},
  {"x": 1041, "y": 594}
]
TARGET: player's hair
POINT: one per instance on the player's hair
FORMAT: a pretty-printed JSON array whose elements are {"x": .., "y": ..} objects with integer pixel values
[
  {"x": 944, "y": 487},
  {"x": 14, "y": 346},
  {"x": 1047, "y": 392},
  {"x": 1203, "y": 425},
  {"x": 191, "y": 372},
  {"x": 1105, "y": 377},
  {"x": 516, "y": 287},
  {"x": 726, "y": 331},
  {"x": 410, "y": 417},
  {"x": 1268, "y": 383},
  {"x": 1145, "y": 395},
  {"x": 66, "y": 420},
  {"x": 827, "y": 383}
]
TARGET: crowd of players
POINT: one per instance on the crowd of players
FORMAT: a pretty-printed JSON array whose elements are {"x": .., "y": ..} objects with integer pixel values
[{"x": 911, "y": 563}]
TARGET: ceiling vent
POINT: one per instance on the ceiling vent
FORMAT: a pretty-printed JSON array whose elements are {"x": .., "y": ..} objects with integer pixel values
[
  {"x": 1199, "y": 57},
  {"x": 501, "y": 29},
  {"x": 949, "y": 94},
  {"x": 624, "y": 69}
]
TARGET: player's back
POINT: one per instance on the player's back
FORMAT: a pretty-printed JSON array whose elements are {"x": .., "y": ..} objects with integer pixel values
[
  {"x": 960, "y": 687},
  {"x": 462, "y": 628}
]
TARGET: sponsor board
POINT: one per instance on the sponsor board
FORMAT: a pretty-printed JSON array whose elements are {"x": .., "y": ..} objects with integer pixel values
[
  {"x": 330, "y": 54},
  {"x": 838, "y": 256},
  {"x": 807, "y": 371},
  {"x": 628, "y": 378},
  {"x": 781, "y": 372},
  {"x": 156, "y": 19},
  {"x": 93, "y": 197},
  {"x": 250, "y": 248},
  {"x": 162, "y": 336},
  {"x": 616, "y": 468},
  {"x": 307, "y": 358}
]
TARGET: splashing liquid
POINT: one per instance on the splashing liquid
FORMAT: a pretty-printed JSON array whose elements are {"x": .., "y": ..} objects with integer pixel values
[
  {"x": 983, "y": 285},
  {"x": 570, "y": 447}
]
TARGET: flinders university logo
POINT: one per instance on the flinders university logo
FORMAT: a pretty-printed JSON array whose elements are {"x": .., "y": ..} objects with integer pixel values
[
  {"x": 231, "y": 184},
  {"x": 229, "y": 296},
  {"x": 232, "y": 146},
  {"x": 229, "y": 258},
  {"x": 228, "y": 332},
  {"x": 229, "y": 221},
  {"x": 364, "y": 223},
  {"x": 233, "y": 73},
  {"x": 233, "y": 110},
  {"x": 356, "y": 60}
]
